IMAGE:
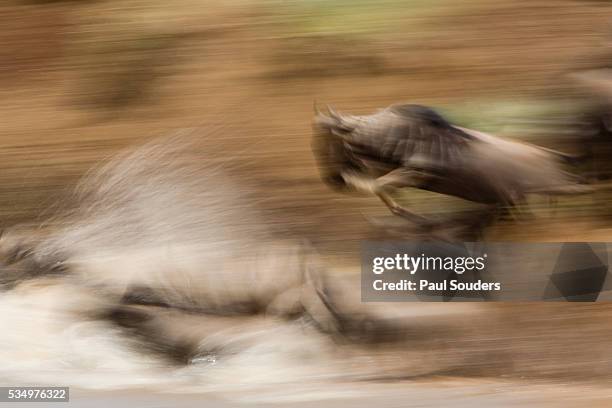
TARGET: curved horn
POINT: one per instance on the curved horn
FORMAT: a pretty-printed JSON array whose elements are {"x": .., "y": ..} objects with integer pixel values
[{"x": 333, "y": 113}]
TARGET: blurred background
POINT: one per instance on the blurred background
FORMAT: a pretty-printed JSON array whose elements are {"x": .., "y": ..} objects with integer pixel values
[{"x": 82, "y": 79}]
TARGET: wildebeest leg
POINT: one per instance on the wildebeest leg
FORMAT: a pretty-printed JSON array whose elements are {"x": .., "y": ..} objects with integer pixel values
[
  {"x": 397, "y": 209},
  {"x": 141, "y": 324},
  {"x": 182, "y": 336},
  {"x": 176, "y": 335},
  {"x": 382, "y": 187},
  {"x": 397, "y": 179}
]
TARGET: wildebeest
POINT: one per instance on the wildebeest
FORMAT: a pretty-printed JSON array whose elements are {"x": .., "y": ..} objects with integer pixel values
[
  {"x": 166, "y": 227},
  {"x": 414, "y": 146},
  {"x": 165, "y": 235}
]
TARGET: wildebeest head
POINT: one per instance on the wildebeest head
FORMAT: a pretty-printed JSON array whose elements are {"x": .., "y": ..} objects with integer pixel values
[{"x": 328, "y": 146}]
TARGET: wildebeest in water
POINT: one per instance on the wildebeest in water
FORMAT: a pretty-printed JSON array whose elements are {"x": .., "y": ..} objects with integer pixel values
[
  {"x": 165, "y": 227},
  {"x": 414, "y": 146}
]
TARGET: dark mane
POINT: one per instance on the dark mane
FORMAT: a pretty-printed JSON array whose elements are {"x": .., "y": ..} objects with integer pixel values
[{"x": 423, "y": 113}]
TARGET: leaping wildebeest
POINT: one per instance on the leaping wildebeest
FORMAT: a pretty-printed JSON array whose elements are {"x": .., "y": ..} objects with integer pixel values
[{"x": 414, "y": 146}]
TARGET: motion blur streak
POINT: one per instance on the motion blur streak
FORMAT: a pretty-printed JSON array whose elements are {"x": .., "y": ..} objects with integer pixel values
[{"x": 144, "y": 274}]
